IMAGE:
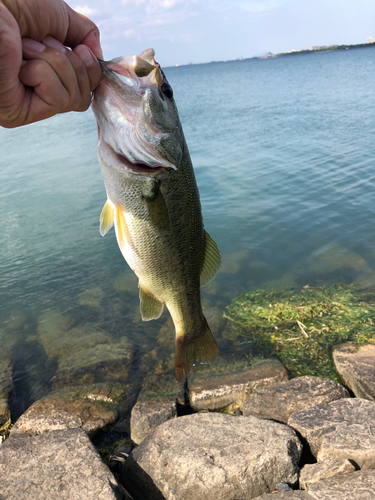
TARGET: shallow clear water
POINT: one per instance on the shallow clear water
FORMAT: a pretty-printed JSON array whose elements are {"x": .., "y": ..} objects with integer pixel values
[{"x": 284, "y": 154}]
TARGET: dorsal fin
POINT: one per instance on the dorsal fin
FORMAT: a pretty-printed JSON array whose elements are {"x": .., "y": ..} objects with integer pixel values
[
  {"x": 212, "y": 260},
  {"x": 150, "y": 307},
  {"x": 106, "y": 218}
]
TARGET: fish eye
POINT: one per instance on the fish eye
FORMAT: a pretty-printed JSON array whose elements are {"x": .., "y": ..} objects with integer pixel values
[{"x": 167, "y": 90}]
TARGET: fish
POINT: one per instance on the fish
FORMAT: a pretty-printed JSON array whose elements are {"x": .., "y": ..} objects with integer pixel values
[{"x": 153, "y": 200}]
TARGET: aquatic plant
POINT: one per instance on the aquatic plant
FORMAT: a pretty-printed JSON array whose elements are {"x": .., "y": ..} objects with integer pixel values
[{"x": 301, "y": 327}]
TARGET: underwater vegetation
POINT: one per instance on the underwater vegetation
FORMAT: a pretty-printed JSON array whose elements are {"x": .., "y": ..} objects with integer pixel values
[{"x": 301, "y": 327}]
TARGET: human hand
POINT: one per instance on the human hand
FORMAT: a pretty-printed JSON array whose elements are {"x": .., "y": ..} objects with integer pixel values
[{"x": 39, "y": 75}]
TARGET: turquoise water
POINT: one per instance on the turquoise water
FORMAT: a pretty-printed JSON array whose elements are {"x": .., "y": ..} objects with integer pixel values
[{"x": 284, "y": 154}]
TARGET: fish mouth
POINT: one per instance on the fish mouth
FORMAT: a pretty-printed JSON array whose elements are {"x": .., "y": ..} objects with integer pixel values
[{"x": 136, "y": 167}]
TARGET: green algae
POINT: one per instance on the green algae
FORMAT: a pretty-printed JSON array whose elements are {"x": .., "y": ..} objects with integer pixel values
[
  {"x": 6, "y": 428},
  {"x": 301, "y": 326}
]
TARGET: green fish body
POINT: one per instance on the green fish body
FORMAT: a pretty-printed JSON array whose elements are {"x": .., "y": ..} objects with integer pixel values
[{"x": 153, "y": 200}]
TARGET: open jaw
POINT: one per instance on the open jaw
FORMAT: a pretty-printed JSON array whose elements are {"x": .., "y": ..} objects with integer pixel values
[{"x": 137, "y": 167}]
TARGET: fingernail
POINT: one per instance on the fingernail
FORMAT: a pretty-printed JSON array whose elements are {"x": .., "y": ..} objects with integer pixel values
[
  {"x": 32, "y": 45},
  {"x": 86, "y": 55},
  {"x": 52, "y": 42}
]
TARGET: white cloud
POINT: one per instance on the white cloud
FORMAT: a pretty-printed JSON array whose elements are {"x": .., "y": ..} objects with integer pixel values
[
  {"x": 261, "y": 6},
  {"x": 129, "y": 33},
  {"x": 85, "y": 10}
]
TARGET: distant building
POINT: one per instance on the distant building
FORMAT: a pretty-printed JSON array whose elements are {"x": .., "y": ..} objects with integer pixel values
[
  {"x": 370, "y": 39},
  {"x": 319, "y": 47}
]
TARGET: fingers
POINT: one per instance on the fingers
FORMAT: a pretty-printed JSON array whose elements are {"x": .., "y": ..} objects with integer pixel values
[
  {"x": 83, "y": 31},
  {"x": 62, "y": 80}
]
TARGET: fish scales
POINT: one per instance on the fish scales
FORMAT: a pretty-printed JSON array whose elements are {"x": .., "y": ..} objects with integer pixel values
[{"x": 153, "y": 200}]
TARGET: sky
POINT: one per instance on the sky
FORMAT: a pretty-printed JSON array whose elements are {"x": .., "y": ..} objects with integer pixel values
[{"x": 197, "y": 31}]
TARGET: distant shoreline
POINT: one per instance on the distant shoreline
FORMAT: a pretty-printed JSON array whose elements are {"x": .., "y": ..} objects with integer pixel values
[{"x": 329, "y": 48}]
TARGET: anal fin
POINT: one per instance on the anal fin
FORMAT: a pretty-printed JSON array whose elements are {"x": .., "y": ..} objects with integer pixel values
[{"x": 150, "y": 307}]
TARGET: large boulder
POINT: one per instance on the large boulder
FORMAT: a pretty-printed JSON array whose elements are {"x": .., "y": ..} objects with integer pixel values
[
  {"x": 212, "y": 456},
  {"x": 58, "y": 464},
  {"x": 223, "y": 383},
  {"x": 359, "y": 485},
  {"x": 356, "y": 365},
  {"x": 157, "y": 402},
  {"x": 311, "y": 473},
  {"x": 280, "y": 401},
  {"x": 339, "y": 430},
  {"x": 89, "y": 408}
]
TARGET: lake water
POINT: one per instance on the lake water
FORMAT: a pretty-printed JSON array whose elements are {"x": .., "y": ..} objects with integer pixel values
[{"x": 284, "y": 155}]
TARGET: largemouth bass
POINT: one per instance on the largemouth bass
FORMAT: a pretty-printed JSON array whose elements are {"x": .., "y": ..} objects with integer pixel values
[{"x": 153, "y": 200}]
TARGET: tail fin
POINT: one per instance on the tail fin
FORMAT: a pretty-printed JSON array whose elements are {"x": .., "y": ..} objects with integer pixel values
[{"x": 200, "y": 346}]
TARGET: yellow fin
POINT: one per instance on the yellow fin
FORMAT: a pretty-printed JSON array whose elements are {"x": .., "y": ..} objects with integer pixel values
[
  {"x": 106, "y": 218},
  {"x": 212, "y": 260},
  {"x": 122, "y": 230},
  {"x": 202, "y": 346},
  {"x": 150, "y": 307}
]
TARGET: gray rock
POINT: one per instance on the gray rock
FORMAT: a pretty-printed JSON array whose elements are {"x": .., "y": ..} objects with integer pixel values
[
  {"x": 58, "y": 464},
  {"x": 145, "y": 417},
  {"x": 156, "y": 403},
  {"x": 311, "y": 473},
  {"x": 343, "y": 429},
  {"x": 91, "y": 409},
  {"x": 222, "y": 384},
  {"x": 356, "y": 365},
  {"x": 287, "y": 495},
  {"x": 359, "y": 485},
  {"x": 280, "y": 401},
  {"x": 212, "y": 456}
]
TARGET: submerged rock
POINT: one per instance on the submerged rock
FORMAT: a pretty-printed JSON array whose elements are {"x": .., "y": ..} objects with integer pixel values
[
  {"x": 311, "y": 473},
  {"x": 221, "y": 383},
  {"x": 59, "y": 464},
  {"x": 126, "y": 282},
  {"x": 212, "y": 456},
  {"x": 91, "y": 297},
  {"x": 339, "y": 430},
  {"x": 231, "y": 263},
  {"x": 356, "y": 365},
  {"x": 84, "y": 353},
  {"x": 280, "y": 401}
]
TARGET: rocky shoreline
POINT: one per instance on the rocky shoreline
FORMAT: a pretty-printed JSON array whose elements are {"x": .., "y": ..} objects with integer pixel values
[{"x": 237, "y": 431}]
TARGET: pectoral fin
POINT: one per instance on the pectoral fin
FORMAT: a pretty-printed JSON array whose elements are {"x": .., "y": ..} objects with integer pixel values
[
  {"x": 212, "y": 260},
  {"x": 122, "y": 229},
  {"x": 157, "y": 208},
  {"x": 150, "y": 307},
  {"x": 107, "y": 218}
]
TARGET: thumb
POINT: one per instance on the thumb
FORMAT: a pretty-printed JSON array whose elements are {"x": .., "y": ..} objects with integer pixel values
[{"x": 83, "y": 31}]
